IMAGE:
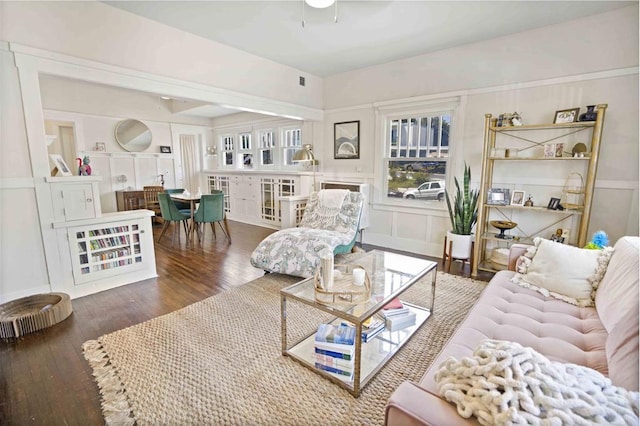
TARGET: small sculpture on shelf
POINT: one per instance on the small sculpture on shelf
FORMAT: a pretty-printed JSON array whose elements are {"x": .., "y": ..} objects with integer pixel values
[
  {"x": 529, "y": 202},
  {"x": 590, "y": 115},
  {"x": 84, "y": 169}
]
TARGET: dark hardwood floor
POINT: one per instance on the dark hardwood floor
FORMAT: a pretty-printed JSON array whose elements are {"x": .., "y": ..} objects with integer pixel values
[{"x": 44, "y": 379}]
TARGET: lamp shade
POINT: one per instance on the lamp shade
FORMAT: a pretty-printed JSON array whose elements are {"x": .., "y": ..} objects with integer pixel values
[
  {"x": 319, "y": 4},
  {"x": 304, "y": 154}
]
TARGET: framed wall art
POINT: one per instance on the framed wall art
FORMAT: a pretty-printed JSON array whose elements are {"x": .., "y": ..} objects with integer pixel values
[
  {"x": 566, "y": 115},
  {"x": 346, "y": 140},
  {"x": 165, "y": 149}
]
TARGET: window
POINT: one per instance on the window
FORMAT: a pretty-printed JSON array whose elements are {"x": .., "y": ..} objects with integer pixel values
[
  {"x": 267, "y": 143},
  {"x": 245, "y": 154},
  {"x": 227, "y": 150},
  {"x": 291, "y": 142},
  {"x": 417, "y": 152}
]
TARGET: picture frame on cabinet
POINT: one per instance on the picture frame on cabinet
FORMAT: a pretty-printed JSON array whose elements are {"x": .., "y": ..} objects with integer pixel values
[
  {"x": 346, "y": 140},
  {"x": 566, "y": 115},
  {"x": 498, "y": 196},
  {"x": 517, "y": 198},
  {"x": 59, "y": 165}
]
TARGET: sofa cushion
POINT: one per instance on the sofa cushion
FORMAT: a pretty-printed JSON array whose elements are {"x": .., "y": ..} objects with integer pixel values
[
  {"x": 506, "y": 311},
  {"x": 618, "y": 307},
  {"x": 562, "y": 271}
]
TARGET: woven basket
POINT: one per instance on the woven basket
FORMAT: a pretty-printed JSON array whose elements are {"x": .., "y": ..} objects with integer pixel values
[{"x": 32, "y": 313}]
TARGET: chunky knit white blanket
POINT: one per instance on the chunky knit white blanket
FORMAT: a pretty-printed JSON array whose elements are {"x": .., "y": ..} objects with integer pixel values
[{"x": 504, "y": 383}]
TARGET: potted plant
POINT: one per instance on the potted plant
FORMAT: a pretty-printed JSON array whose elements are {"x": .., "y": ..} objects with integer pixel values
[{"x": 463, "y": 212}]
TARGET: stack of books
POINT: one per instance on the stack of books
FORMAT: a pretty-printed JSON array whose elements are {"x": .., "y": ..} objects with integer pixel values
[
  {"x": 397, "y": 316},
  {"x": 335, "y": 350}
]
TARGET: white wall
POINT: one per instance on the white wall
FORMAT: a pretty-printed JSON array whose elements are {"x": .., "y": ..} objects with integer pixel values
[
  {"x": 529, "y": 72},
  {"x": 96, "y": 31}
]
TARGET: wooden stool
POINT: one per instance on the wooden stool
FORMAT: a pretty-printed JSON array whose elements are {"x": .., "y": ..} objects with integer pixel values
[{"x": 445, "y": 256}]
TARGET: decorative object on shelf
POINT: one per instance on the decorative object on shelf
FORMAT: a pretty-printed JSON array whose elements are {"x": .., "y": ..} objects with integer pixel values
[
  {"x": 559, "y": 149},
  {"x": 566, "y": 115},
  {"x": 165, "y": 149},
  {"x": 463, "y": 215},
  {"x": 346, "y": 140},
  {"x": 59, "y": 165},
  {"x": 499, "y": 196},
  {"x": 100, "y": 147},
  {"x": 590, "y": 115},
  {"x": 517, "y": 198},
  {"x": 529, "y": 202},
  {"x": 573, "y": 192},
  {"x": 84, "y": 169},
  {"x": 32, "y": 313},
  {"x": 549, "y": 150},
  {"x": 579, "y": 150},
  {"x": 557, "y": 237},
  {"x": 554, "y": 204},
  {"x": 516, "y": 119},
  {"x": 503, "y": 225},
  {"x": 133, "y": 135},
  {"x": 599, "y": 241}
]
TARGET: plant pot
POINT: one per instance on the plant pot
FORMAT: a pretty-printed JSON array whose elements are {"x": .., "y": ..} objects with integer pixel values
[{"x": 461, "y": 248}]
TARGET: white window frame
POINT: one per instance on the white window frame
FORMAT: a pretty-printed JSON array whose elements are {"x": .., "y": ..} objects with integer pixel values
[
  {"x": 385, "y": 112},
  {"x": 288, "y": 143},
  {"x": 266, "y": 140},
  {"x": 228, "y": 146}
]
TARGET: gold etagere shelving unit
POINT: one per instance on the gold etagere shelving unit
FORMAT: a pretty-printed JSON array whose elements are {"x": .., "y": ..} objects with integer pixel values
[{"x": 489, "y": 159}]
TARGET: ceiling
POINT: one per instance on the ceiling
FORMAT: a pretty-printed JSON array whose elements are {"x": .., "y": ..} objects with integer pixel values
[{"x": 367, "y": 32}]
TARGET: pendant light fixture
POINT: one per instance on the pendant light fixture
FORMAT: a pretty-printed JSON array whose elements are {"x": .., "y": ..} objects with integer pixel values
[{"x": 320, "y": 4}]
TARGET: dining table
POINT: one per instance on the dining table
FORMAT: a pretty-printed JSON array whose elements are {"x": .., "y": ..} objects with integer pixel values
[{"x": 193, "y": 200}]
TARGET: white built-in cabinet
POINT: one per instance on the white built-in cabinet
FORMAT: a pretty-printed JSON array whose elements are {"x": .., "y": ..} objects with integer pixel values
[
  {"x": 75, "y": 197},
  {"x": 255, "y": 197},
  {"x": 97, "y": 251}
]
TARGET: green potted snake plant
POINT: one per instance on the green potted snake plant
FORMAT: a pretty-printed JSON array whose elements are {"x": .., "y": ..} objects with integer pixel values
[{"x": 463, "y": 212}]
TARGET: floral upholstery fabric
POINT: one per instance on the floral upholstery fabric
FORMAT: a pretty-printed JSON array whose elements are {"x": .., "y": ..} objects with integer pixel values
[{"x": 297, "y": 251}]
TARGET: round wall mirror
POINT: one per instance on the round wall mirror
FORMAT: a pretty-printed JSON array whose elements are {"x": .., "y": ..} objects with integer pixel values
[{"x": 133, "y": 135}]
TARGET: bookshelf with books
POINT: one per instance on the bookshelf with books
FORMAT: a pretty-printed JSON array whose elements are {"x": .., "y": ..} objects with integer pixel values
[{"x": 107, "y": 249}]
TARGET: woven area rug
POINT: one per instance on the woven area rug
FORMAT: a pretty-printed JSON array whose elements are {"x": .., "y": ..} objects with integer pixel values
[{"x": 218, "y": 361}]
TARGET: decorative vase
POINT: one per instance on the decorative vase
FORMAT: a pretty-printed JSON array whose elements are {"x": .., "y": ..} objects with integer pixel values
[
  {"x": 590, "y": 115},
  {"x": 461, "y": 248}
]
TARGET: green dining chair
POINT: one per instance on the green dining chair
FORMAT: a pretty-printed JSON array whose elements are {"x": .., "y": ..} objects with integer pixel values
[
  {"x": 181, "y": 204},
  {"x": 211, "y": 210},
  {"x": 171, "y": 213}
]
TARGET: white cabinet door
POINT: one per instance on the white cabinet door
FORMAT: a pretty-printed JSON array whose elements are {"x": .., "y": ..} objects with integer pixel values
[{"x": 74, "y": 201}]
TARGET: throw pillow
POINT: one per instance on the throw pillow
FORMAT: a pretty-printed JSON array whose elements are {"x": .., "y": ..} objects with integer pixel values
[{"x": 561, "y": 271}]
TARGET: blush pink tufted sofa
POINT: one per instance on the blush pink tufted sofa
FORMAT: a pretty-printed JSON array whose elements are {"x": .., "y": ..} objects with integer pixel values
[{"x": 604, "y": 337}]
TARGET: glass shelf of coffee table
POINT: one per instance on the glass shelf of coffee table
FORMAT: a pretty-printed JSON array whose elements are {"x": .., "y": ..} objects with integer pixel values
[{"x": 391, "y": 275}]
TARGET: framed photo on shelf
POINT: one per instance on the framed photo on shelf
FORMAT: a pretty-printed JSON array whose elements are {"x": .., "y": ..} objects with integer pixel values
[
  {"x": 566, "y": 115},
  {"x": 346, "y": 140},
  {"x": 554, "y": 204},
  {"x": 517, "y": 198},
  {"x": 499, "y": 196},
  {"x": 60, "y": 166},
  {"x": 549, "y": 150}
]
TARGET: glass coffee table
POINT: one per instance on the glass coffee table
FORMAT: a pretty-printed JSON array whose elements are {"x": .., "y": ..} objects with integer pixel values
[{"x": 390, "y": 275}]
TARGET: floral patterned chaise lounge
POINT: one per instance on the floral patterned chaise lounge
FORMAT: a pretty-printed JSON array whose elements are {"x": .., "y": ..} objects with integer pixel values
[{"x": 330, "y": 222}]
